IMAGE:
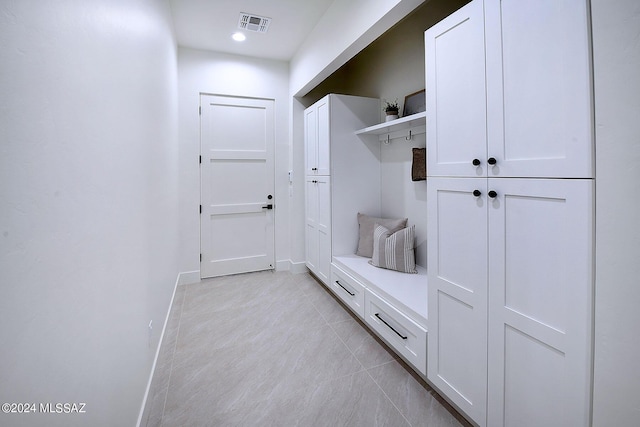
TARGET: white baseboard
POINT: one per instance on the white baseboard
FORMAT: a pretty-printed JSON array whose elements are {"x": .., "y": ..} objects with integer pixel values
[
  {"x": 293, "y": 267},
  {"x": 298, "y": 267},
  {"x": 144, "y": 410},
  {"x": 188, "y": 277},
  {"x": 283, "y": 265}
]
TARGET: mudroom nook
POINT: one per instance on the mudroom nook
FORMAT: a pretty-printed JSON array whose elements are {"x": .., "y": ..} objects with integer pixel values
[{"x": 369, "y": 164}]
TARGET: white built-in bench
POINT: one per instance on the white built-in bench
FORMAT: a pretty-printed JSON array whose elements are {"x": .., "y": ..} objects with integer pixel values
[{"x": 392, "y": 304}]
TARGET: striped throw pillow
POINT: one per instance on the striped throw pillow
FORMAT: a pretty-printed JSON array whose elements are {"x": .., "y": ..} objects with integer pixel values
[{"x": 394, "y": 250}]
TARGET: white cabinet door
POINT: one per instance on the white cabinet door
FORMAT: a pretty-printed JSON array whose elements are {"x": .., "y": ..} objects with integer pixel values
[
  {"x": 540, "y": 299},
  {"x": 456, "y": 99},
  {"x": 324, "y": 136},
  {"x": 311, "y": 140},
  {"x": 457, "y": 273},
  {"x": 311, "y": 223},
  {"x": 539, "y": 88},
  {"x": 323, "y": 184},
  {"x": 317, "y": 138},
  {"x": 318, "y": 226}
]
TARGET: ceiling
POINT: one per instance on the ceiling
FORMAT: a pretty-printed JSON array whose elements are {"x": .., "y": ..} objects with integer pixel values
[{"x": 209, "y": 24}]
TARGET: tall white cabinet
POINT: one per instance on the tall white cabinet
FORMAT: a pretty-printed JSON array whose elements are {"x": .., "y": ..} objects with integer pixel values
[
  {"x": 510, "y": 211},
  {"x": 318, "y": 189},
  {"x": 336, "y": 163}
]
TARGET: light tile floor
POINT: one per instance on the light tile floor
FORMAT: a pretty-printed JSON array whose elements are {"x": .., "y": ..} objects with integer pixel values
[{"x": 277, "y": 349}]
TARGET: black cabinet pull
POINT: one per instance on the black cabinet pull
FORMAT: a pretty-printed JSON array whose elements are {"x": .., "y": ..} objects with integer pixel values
[
  {"x": 492, "y": 161},
  {"x": 346, "y": 290},
  {"x": 477, "y": 193},
  {"x": 492, "y": 194},
  {"x": 476, "y": 162},
  {"x": 390, "y": 327}
]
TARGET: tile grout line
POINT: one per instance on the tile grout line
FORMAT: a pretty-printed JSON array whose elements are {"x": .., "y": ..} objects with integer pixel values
[
  {"x": 336, "y": 334},
  {"x": 348, "y": 349},
  {"x": 368, "y": 373},
  {"x": 330, "y": 325},
  {"x": 315, "y": 307},
  {"x": 385, "y": 393},
  {"x": 367, "y": 369}
]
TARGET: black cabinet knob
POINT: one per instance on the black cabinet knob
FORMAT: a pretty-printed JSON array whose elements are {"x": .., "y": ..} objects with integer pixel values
[
  {"x": 492, "y": 194},
  {"x": 476, "y": 193},
  {"x": 476, "y": 162},
  {"x": 492, "y": 161}
]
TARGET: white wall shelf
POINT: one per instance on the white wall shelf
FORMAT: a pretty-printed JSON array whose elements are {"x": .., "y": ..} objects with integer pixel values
[{"x": 415, "y": 123}]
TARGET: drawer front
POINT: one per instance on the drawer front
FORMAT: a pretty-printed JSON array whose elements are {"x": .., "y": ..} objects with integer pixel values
[
  {"x": 348, "y": 289},
  {"x": 407, "y": 337}
]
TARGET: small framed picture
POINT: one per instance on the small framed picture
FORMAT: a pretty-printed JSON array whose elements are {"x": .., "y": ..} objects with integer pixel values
[{"x": 414, "y": 103}]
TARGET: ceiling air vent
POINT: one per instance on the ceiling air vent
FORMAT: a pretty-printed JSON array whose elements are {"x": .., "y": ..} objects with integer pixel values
[{"x": 251, "y": 22}]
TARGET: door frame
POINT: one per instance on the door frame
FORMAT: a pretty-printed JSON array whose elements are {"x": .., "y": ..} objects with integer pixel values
[{"x": 272, "y": 178}]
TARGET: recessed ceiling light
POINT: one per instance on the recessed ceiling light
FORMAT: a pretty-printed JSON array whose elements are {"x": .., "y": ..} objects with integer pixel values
[{"x": 239, "y": 37}]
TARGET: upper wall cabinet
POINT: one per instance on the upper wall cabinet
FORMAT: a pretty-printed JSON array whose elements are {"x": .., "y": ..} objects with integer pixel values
[
  {"x": 317, "y": 144},
  {"x": 509, "y": 85}
]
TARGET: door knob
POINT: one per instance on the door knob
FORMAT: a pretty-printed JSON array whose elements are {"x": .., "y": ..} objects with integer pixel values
[
  {"x": 269, "y": 206},
  {"x": 269, "y": 197}
]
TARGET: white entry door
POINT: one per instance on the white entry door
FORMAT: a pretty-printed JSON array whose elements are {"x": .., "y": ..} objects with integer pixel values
[{"x": 237, "y": 138}]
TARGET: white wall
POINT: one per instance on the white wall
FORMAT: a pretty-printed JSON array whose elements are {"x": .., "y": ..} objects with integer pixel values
[
  {"x": 223, "y": 74},
  {"x": 616, "y": 31},
  {"x": 88, "y": 203}
]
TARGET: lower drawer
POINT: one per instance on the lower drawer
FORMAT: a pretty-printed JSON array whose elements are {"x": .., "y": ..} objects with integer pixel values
[
  {"x": 407, "y": 337},
  {"x": 348, "y": 289}
]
